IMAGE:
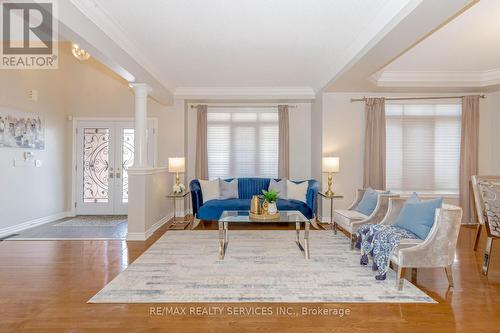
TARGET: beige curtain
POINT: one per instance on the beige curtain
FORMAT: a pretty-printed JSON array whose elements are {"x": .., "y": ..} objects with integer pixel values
[
  {"x": 201, "y": 170},
  {"x": 469, "y": 147},
  {"x": 284, "y": 143},
  {"x": 374, "y": 157}
]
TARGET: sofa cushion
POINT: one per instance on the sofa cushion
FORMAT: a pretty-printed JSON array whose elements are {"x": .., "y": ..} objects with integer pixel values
[
  {"x": 297, "y": 191},
  {"x": 209, "y": 189},
  {"x": 228, "y": 190},
  {"x": 291, "y": 204},
  {"x": 212, "y": 210},
  {"x": 248, "y": 187},
  {"x": 278, "y": 186},
  {"x": 345, "y": 217}
]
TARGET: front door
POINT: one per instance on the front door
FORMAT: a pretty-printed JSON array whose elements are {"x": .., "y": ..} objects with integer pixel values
[{"x": 105, "y": 150}]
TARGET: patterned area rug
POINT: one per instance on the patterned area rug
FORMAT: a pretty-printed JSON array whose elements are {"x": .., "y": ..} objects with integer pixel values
[
  {"x": 92, "y": 221},
  {"x": 260, "y": 266}
]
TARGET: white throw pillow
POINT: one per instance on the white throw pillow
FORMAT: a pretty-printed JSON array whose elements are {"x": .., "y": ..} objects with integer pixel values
[
  {"x": 209, "y": 189},
  {"x": 297, "y": 191}
]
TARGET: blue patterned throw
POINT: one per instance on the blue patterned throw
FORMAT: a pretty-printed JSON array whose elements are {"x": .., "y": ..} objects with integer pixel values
[{"x": 379, "y": 241}]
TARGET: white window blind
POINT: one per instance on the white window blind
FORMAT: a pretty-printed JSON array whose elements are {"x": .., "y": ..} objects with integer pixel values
[
  {"x": 242, "y": 142},
  {"x": 423, "y": 147}
]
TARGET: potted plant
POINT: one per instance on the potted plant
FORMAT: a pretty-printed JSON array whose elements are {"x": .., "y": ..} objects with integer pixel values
[{"x": 270, "y": 198}]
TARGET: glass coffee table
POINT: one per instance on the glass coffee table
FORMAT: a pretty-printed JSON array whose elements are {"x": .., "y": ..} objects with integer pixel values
[{"x": 286, "y": 216}]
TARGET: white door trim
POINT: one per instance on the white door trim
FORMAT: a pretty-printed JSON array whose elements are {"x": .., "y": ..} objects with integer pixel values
[{"x": 75, "y": 120}]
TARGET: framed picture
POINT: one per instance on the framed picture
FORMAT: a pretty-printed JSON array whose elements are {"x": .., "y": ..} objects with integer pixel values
[{"x": 19, "y": 129}]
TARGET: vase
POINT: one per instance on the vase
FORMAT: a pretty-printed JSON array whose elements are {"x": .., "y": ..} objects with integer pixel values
[
  {"x": 271, "y": 208},
  {"x": 255, "y": 207}
]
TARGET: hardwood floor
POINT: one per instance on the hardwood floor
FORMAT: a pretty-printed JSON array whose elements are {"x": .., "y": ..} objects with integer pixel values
[{"x": 44, "y": 287}]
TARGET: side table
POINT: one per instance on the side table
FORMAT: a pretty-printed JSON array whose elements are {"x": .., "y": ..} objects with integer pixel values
[
  {"x": 174, "y": 197},
  {"x": 331, "y": 197}
]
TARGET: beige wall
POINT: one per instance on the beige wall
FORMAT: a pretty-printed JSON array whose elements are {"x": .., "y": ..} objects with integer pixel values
[
  {"x": 494, "y": 107},
  {"x": 29, "y": 193},
  {"x": 343, "y": 136}
]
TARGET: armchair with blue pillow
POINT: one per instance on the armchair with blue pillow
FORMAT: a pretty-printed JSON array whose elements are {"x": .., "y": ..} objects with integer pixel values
[
  {"x": 436, "y": 226},
  {"x": 414, "y": 233},
  {"x": 248, "y": 187},
  {"x": 369, "y": 207}
]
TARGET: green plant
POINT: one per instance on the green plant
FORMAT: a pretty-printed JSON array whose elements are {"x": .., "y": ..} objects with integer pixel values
[{"x": 270, "y": 196}]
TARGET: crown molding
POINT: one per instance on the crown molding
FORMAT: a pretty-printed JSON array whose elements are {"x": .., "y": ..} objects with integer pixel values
[
  {"x": 260, "y": 93},
  {"x": 479, "y": 79}
]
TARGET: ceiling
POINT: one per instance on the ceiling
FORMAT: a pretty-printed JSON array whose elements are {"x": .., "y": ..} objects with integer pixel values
[
  {"x": 464, "y": 53},
  {"x": 240, "y": 43}
]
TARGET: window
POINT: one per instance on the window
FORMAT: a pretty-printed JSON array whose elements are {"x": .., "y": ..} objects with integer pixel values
[
  {"x": 423, "y": 147},
  {"x": 242, "y": 142}
]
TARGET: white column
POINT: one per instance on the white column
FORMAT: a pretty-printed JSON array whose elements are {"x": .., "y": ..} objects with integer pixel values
[{"x": 141, "y": 91}]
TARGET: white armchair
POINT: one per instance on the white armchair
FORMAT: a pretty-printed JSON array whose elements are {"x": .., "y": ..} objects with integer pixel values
[
  {"x": 350, "y": 220},
  {"x": 437, "y": 250}
]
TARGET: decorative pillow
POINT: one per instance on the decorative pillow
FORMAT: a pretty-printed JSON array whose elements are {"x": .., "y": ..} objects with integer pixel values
[
  {"x": 209, "y": 189},
  {"x": 368, "y": 203},
  {"x": 417, "y": 216},
  {"x": 297, "y": 191},
  {"x": 228, "y": 190},
  {"x": 278, "y": 186}
]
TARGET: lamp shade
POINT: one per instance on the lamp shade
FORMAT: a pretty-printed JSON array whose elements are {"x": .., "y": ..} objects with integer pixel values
[
  {"x": 176, "y": 164},
  {"x": 331, "y": 164}
]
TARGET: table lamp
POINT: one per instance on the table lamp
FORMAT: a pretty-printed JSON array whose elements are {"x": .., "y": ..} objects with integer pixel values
[
  {"x": 331, "y": 165},
  {"x": 177, "y": 165}
]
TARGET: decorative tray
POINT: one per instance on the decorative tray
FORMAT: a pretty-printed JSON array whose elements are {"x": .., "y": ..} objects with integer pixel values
[{"x": 254, "y": 216}]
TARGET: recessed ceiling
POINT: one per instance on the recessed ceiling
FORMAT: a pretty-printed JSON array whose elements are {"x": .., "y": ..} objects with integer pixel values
[
  {"x": 240, "y": 43},
  {"x": 465, "y": 52}
]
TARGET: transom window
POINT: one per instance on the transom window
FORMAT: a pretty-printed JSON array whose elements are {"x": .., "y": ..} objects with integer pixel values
[
  {"x": 423, "y": 147},
  {"x": 242, "y": 142}
]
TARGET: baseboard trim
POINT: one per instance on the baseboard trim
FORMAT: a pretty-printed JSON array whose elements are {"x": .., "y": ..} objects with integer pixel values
[
  {"x": 33, "y": 223},
  {"x": 142, "y": 236}
]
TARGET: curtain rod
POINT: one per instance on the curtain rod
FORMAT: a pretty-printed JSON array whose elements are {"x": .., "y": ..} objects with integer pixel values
[
  {"x": 244, "y": 106},
  {"x": 412, "y": 98}
]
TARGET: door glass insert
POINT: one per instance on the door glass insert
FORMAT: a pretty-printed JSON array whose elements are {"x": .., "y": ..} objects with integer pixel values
[
  {"x": 127, "y": 159},
  {"x": 95, "y": 165}
]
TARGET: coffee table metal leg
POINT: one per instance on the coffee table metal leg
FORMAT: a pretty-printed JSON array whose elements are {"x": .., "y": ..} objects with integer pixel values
[
  {"x": 226, "y": 237},
  {"x": 297, "y": 236},
  {"x": 306, "y": 240},
  {"x": 297, "y": 232},
  {"x": 222, "y": 245},
  {"x": 304, "y": 248}
]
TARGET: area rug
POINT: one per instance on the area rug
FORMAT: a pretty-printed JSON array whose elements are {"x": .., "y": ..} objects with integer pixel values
[
  {"x": 92, "y": 221},
  {"x": 260, "y": 266}
]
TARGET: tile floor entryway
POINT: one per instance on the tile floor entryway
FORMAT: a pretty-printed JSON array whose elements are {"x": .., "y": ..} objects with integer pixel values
[{"x": 78, "y": 228}]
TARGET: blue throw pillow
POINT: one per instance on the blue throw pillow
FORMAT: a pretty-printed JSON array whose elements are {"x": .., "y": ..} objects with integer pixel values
[
  {"x": 418, "y": 216},
  {"x": 368, "y": 203}
]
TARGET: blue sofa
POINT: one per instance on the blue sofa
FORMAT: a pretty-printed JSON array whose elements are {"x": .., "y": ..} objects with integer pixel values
[{"x": 247, "y": 187}]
